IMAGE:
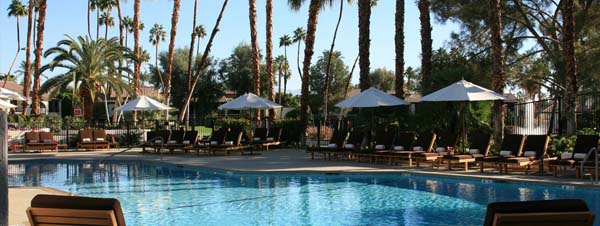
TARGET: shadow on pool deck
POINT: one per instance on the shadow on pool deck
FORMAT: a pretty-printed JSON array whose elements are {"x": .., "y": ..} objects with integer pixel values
[{"x": 290, "y": 160}]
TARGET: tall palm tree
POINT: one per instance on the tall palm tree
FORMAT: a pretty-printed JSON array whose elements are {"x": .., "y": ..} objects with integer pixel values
[
  {"x": 255, "y": 48},
  {"x": 121, "y": 41},
  {"x": 568, "y": 42},
  {"x": 190, "y": 58},
  {"x": 426, "y": 49},
  {"x": 284, "y": 42},
  {"x": 328, "y": 67},
  {"x": 299, "y": 36},
  {"x": 107, "y": 21},
  {"x": 35, "y": 100},
  {"x": 174, "y": 19},
  {"x": 97, "y": 5},
  {"x": 271, "y": 76},
  {"x": 364, "y": 42},
  {"x": 89, "y": 9},
  {"x": 89, "y": 64},
  {"x": 188, "y": 97},
  {"x": 128, "y": 26},
  {"x": 399, "y": 44},
  {"x": 136, "y": 51},
  {"x": 27, "y": 71},
  {"x": 157, "y": 34},
  {"x": 495, "y": 25},
  {"x": 282, "y": 69},
  {"x": 16, "y": 9},
  {"x": 200, "y": 34}
]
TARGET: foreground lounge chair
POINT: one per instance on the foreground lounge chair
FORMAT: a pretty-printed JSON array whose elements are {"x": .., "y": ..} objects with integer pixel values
[
  {"x": 75, "y": 210},
  {"x": 534, "y": 151},
  {"x": 512, "y": 146},
  {"x": 335, "y": 142},
  {"x": 181, "y": 140},
  {"x": 479, "y": 147},
  {"x": 571, "y": 212},
  {"x": 583, "y": 144},
  {"x": 40, "y": 141},
  {"x": 92, "y": 139}
]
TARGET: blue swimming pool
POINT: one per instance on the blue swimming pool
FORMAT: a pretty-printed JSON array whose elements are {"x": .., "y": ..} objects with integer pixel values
[{"x": 160, "y": 194}]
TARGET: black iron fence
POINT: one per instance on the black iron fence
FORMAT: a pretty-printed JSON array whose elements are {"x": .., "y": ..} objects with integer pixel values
[{"x": 548, "y": 116}]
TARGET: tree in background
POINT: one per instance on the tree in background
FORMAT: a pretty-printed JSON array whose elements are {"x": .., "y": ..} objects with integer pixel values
[
  {"x": 284, "y": 41},
  {"x": 269, "y": 56},
  {"x": 298, "y": 37},
  {"x": 35, "y": 99},
  {"x": 136, "y": 51},
  {"x": 399, "y": 49},
  {"x": 364, "y": 42},
  {"x": 174, "y": 19},
  {"x": 157, "y": 34},
  {"x": 255, "y": 51},
  {"x": 236, "y": 70},
  {"x": 339, "y": 75},
  {"x": 383, "y": 79},
  {"x": 28, "y": 66},
  {"x": 426, "y": 42},
  {"x": 107, "y": 21},
  {"x": 495, "y": 24},
  {"x": 16, "y": 9}
]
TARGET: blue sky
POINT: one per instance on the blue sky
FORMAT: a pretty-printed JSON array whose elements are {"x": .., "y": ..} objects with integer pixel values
[{"x": 70, "y": 17}]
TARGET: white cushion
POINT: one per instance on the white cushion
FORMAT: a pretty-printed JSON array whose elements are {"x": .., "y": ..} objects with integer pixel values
[
  {"x": 505, "y": 153},
  {"x": 158, "y": 141},
  {"x": 349, "y": 146},
  {"x": 270, "y": 138},
  {"x": 379, "y": 147},
  {"x": 100, "y": 139},
  {"x": 47, "y": 141},
  {"x": 579, "y": 155},
  {"x": 440, "y": 149},
  {"x": 172, "y": 142},
  {"x": 186, "y": 142},
  {"x": 86, "y": 139},
  {"x": 257, "y": 139},
  {"x": 417, "y": 148},
  {"x": 228, "y": 142},
  {"x": 398, "y": 148},
  {"x": 529, "y": 153},
  {"x": 473, "y": 151},
  {"x": 333, "y": 145},
  {"x": 214, "y": 142},
  {"x": 566, "y": 155}
]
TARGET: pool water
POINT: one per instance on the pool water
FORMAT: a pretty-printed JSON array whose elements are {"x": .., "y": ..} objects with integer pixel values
[{"x": 160, "y": 194}]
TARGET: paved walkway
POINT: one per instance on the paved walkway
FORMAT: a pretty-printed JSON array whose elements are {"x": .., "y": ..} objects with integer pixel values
[{"x": 19, "y": 199}]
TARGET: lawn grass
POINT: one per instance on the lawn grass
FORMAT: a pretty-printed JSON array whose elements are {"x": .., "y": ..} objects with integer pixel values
[{"x": 203, "y": 130}]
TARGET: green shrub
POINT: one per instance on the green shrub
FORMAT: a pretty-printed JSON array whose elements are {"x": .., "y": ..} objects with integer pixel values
[
  {"x": 562, "y": 144},
  {"x": 291, "y": 131},
  {"x": 246, "y": 125}
]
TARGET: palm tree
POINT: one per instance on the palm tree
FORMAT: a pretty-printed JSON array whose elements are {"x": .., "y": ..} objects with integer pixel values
[
  {"x": 136, "y": 51},
  {"x": 299, "y": 36},
  {"x": 255, "y": 48},
  {"x": 35, "y": 100},
  {"x": 27, "y": 71},
  {"x": 190, "y": 58},
  {"x": 200, "y": 34},
  {"x": 188, "y": 97},
  {"x": 157, "y": 34},
  {"x": 107, "y": 21},
  {"x": 16, "y": 9},
  {"x": 282, "y": 69},
  {"x": 284, "y": 41},
  {"x": 426, "y": 49},
  {"x": 174, "y": 19},
  {"x": 497, "y": 65},
  {"x": 89, "y": 64},
  {"x": 568, "y": 42},
  {"x": 128, "y": 26},
  {"x": 89, "y": 9},
  {"x": 399, "y": 44},
  {"x": 271, "y": 76},
  {"x": 364, "y": 16},
  {"x": 97, "y": 6}
]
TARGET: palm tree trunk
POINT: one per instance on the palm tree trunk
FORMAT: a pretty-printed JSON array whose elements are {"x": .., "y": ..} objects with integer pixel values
[
  {"x": 88, "y": 18},
  {"x": 190, "y": 60},
  {"x": 88, "y": 102},
  {"x": 38, "y": 58},
  {"x": 27, "y": 74},
  {"x": 255, "y": 51},
  {"x": 309, "y": 42},
  {"x": 568, "y": 41},
  {"x": 186, "y": 102},
  {"x": 97, "y": 23},
  {"x": 495, "y": 19},
  {"x": 117, "y": 102},
  {"x": 7, "y": 76},
  {"x": 106, "y": 23},
  {"x": 399, "y": 43},
  {"x": 270, "y": 74},
  {"x": 174, "y": 19},
  {"x": 348, "y": 83},
  {"x": 137, "y": 52},
  {"x": 364, "y": 42},
  {"x": 298, "y": 61},
  {"x": 162, "y": 82},
  {"x": 426, "y": 51},
  {"x": 35, "y": 19},
  {"x": 328, "y": 67}
]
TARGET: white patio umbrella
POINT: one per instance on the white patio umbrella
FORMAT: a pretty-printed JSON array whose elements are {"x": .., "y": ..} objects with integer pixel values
[
  {"x": 10, "y": 95},
  {"x": 462, "y": 91},
  {"x": 370, "y": 98},
  {"x": 6, "y": 104},
  {"x": 249, "y": 101},
  {"x": 143, "y": 103}
]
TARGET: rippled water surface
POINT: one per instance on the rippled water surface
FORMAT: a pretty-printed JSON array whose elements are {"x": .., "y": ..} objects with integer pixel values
[{"x": 153, "y": 194}]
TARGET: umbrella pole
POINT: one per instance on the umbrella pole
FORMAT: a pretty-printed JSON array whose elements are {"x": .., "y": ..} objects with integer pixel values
[{"x": 463, "y": 133}]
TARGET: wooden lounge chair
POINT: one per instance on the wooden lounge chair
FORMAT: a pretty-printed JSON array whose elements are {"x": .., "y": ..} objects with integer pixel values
[
  {"x": 216, "y": 137},
  {"x": 572, "y": 212},
  {"x": 263, "y": 138},
  {"x": 233, "y": 142},
  {"x": 403, "y": 141},
  {"x": 534, "y": 151},
  {"x": 40, "y": 141},
  {"x": 335, "y": 142},
  {"x": 155, "y": 140},
  {"x": 384, "y": 140},
  {"x": 446, "y": 142},
  {"x": 181, "y": 140},
  {"x": 100, "y": 139},
  {"x": 583, "y": 144},
  {"x": 424, "y": 143},
  {"x": 75, "y": 210},
  {"x": 354, "y": 143},
  {"x": 479, "y": 147},
  {"x": 512, "y": 146}
]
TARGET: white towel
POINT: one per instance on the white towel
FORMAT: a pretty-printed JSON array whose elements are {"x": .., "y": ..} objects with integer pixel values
[
  {"x": 379, "y": 147},
  {"x": 100, "y": 139},
  {"x": 270, "y": 138},
  {"x": 332, "y": 145},
  {"x": 186, "y": 142},
  {"x": 398, "y": 148},
  {"x": 417, "y": 148},
  {"x": 579, "y": 156},
  {"x": 473, "y": 151},
  {"x": 214, "y": 142},
  {"x": 440, "y": 149},
  {"x": 349, "y": 146},
  {"x": 228, "y": 142},
  {"x": 86, "y": 139},
  {"x": 505, "y": 153},
  {"x": 529, "y": 154},
  {"x": 257, "y": 139}
]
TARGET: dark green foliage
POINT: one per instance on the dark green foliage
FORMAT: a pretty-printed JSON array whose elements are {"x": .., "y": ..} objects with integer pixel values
[
  {"x": 560, "y": 144},
  {"x": 339, "y": 77},
  {"x": 236, "y": 71},
  {"x": 291, "y": 131},
  {"x": 246, "y": 125},
  {"x": 383, "y": 79}
]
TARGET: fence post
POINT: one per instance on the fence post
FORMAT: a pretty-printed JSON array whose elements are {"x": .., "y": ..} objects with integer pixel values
[{"x": 67, "y": 138}]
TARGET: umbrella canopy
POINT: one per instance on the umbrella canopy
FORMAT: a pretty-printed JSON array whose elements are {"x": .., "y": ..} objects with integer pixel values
[
  {"x": 6, "y": 104},
  {"x": 463, "y": 91},
  {"x": 370, "y": 98},
  {"x": 10, "y": 95},
  {"x": 249, "y": 101},
  {"x": 143, "y": 103}
]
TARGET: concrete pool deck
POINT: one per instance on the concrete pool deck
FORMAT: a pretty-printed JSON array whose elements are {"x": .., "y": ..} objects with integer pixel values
[{"x": 20, "y": 199}]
